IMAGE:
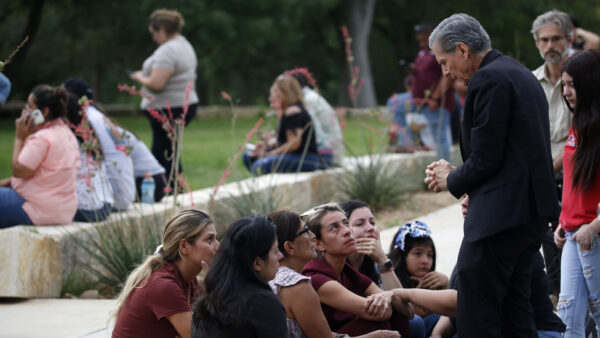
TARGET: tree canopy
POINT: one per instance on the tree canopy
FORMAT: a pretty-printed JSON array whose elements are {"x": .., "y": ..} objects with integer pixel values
[{"x": 243, "y": 45}]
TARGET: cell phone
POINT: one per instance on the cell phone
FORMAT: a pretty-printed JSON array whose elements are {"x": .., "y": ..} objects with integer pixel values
[{"x": 37, "y": 117}]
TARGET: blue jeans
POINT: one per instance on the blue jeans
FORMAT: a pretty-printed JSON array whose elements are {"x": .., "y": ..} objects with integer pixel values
[
  {"x": 579, "y": 286},
  {"x": 423, "y": 326},
  {"x": 98, "y": 215},
  {"x": 11, "y": 209},
  {"x": 549, "y": 334},
  {"x": 439, "y": 123},
  {"x": 286, "y": 163}
]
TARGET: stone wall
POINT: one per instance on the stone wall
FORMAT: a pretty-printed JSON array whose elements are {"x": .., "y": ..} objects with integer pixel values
[{"x": 36, "y": 260}]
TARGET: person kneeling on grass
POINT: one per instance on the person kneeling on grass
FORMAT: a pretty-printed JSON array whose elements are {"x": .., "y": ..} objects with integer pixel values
[
  {"x": 351, "y": 302},
  {"x": 157, "y": 298},
  {"x": 296, "y": 148}
]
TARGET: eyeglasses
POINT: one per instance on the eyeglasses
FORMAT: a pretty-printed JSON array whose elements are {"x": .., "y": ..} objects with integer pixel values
[{"x": 305, "y": 230}]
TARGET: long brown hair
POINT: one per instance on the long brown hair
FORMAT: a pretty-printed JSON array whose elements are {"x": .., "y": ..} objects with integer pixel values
[{"x": 290, "y": 90}]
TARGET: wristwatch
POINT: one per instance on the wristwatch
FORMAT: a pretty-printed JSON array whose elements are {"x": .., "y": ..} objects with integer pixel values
[{"x": 386, "y": 266}]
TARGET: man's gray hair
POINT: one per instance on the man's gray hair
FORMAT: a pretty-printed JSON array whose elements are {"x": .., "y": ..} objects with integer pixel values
[
  {"x": 554, "y": 16},
  {"x": 460, "y": 28}
]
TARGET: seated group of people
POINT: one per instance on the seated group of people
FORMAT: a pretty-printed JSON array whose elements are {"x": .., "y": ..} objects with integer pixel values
[
  {"x": 72, "y": 163},
  {"x": 323, "y": 273},
  {"x": 308, "y": 136}
]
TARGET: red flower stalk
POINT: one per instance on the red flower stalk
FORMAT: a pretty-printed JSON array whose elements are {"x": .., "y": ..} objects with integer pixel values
[
  {"x": 228, "y": 171},
  {"x": 226, "y": 96},
  {"x": 356, "y": 83},
  {"x": 304, "y": 72}
]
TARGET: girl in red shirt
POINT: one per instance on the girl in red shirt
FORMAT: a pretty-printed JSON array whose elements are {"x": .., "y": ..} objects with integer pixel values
[{"x": 579, "y": 226}]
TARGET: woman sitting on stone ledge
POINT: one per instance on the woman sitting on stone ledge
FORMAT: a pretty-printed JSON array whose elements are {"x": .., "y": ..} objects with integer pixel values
[
  {"x": 296, "y": 146},
  {"x": 44, "y": 164},
  {"x": 157, "y": 298}
]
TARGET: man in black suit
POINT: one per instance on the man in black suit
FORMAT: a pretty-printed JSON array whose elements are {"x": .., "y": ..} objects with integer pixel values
[{"x": 507, "y": 177}]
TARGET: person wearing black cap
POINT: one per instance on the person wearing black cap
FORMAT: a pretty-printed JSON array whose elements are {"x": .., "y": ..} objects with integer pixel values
[{"x": 127, "y": 158}]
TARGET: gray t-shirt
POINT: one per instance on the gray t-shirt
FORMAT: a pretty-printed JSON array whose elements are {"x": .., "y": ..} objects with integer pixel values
[{"x": 176, "y": 54}]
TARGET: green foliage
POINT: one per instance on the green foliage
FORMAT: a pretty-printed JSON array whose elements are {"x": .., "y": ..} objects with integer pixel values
[
  {"x": 253, "y": 201},
  {"x": 373, "y": 182},
  {"x": 116, "y": 248}
]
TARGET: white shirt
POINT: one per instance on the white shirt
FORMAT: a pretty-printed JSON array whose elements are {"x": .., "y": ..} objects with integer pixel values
[
  {"x": 559, "y": 113},
  {"x": 93, "y": 187},
  {"x": 324, "y": 116}
]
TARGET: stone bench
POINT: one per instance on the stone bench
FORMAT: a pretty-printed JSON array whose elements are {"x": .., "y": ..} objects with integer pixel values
[{"x": 36, "y": 259}]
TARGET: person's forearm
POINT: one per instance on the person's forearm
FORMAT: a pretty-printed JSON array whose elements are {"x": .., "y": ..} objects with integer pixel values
[
  {"x": 442, "y": 302},
  {"x": 17, "y": 147},
  {"x": 592, "y": 40},
  {"x": 389, "y": 280}
]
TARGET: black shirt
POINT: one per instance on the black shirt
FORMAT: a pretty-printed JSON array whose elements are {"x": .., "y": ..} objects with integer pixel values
[
  {"x": 264, "y": 314},
  {"x": 298, "y": 121}
]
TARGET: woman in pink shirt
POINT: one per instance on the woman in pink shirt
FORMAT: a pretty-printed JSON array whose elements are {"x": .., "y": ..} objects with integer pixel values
[{"x": 44, "y": 164}]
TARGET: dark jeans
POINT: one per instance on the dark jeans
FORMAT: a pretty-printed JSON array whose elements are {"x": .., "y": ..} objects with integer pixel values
[
  {"x": 98, "y": 215},
  {"x": 286, "y": 163},
  {"x": 160, "y": 183},
  {"x": 11, "y": 209},
  {"x": 494, "y": 276},
  {"x": 161, "y": 144}
]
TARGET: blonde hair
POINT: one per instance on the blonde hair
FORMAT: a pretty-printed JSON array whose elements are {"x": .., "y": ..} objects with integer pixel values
[
  {"x": 170, "y": 20},
  {"x": 186, "y": 224},
  {"x": 290, "y": 89}
]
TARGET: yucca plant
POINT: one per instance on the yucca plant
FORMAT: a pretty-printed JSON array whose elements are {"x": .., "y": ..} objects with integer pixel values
[
  {"x": 373, "y": 182},
  {"x": 116, "y": 248}
]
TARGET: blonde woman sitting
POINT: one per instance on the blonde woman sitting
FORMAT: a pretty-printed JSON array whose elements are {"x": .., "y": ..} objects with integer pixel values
[{"x": 157, "y": 298}]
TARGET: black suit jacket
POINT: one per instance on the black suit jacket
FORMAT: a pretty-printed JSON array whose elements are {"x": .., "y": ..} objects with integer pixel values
[{"x": 505, "y": 146}]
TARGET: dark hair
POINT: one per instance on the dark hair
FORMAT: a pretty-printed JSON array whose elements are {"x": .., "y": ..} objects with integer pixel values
[
  {"x": 79, "y": 87},
  {"x": 232, "y": 270},
  {"x": 301, "y": 79},
  {"x": 350, "y": 206},
  {"x": 398, "y": 257},
  {"x": 53, "y": 98},
  {"x": 584, "y": 68},
  {"x": 286, "y": 223},
  {"x": 423, "y": 27},
  {"x": 170, "y": 20}
]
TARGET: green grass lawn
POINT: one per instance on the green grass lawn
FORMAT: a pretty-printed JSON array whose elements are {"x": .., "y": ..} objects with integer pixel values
[{"x": 209, "y": 144}]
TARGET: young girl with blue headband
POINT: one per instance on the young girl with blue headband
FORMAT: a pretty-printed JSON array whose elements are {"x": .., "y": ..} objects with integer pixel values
[{"x": 413, "y": 255}]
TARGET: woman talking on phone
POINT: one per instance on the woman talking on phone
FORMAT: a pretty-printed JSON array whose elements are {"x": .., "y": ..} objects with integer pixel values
[
  {"x": 579, "y": 226},
  {"x": 45, "y": 159}
]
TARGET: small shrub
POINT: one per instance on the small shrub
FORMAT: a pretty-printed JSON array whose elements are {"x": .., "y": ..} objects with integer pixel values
[
  {"x": 373, "y": 182},
  {"x": 117, "y": 248}
]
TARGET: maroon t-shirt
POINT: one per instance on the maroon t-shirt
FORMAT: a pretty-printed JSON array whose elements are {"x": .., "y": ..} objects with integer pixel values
[
  {"x": 321, "y": 272},
  {"x": 428, "y": 73},
  {"x": 145, "y": 311}
]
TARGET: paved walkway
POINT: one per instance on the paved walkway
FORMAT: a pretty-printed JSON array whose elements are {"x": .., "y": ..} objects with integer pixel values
[{"x": 87, "y": 318}]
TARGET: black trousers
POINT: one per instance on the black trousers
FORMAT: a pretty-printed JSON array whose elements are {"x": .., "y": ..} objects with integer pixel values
[
  {"x": 161, "y": 144},
  {"x": 494, "y": 277}
]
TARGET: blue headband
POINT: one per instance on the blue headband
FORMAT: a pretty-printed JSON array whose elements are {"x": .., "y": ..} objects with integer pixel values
[{"x": 413, "y": 229}]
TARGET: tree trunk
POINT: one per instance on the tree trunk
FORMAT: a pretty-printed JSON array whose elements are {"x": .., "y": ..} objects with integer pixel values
[
  {"x": 33, "y": 23},
  {"x": 360, "y": 21}
]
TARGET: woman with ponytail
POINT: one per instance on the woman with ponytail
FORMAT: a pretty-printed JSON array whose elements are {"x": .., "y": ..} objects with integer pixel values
[
  {"x": 238, "y": 301},
  {"x": 156, "y": 300},
  {"x": 579, "y": 226},
  {"x": 45, "y": 159}
]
